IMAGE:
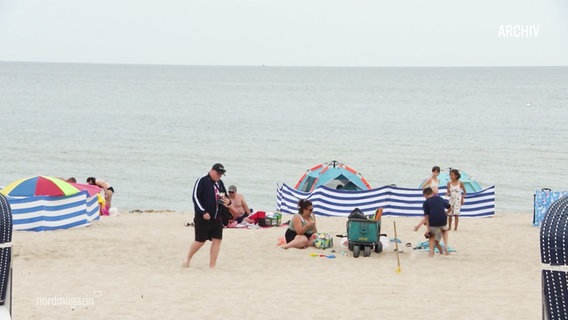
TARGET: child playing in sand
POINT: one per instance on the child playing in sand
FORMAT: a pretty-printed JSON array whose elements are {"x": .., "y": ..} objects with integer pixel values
[
  {"x": 435, "y": 218},
  {"x": 456, "y": 193}
]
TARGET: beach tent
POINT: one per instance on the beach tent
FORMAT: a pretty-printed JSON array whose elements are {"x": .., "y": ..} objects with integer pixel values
[
  {"x": 469, "y": 182},
  {"x": 334, "y": 175},
  {"x": 395, "y": 201},
  {"x": 5, "y": 258},
  {"x": 43, "y": 203},
  {"x": 554, "y": 258}
]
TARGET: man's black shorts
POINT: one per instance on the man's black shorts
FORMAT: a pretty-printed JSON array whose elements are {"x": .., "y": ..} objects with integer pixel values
[{"x": 208, "y": 229}]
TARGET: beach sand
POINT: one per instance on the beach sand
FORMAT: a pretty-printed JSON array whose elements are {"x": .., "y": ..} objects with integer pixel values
[{"x": 128, "y": 267}]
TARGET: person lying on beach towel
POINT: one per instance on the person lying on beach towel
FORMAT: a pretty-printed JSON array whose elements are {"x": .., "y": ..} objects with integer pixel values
[{"x": 250, "y": 222}]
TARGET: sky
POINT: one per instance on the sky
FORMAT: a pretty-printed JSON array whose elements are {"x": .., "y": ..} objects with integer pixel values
[{"x": 287, "y": 32}]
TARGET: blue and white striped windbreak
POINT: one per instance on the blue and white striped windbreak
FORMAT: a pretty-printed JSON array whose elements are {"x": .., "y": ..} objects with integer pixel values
[
  {"x": 42, "y": 213},
  {"x": 394, "y": 201}
]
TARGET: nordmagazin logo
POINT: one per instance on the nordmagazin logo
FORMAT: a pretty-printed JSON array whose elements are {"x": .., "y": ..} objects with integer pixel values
[{"x": 519, "y": 31}]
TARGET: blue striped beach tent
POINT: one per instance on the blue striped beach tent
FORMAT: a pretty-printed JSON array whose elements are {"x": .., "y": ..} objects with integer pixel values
[
  {"x": 334, "y": 175},
  {"x": 469, "y": 182},
  {"x": 5, "y": 258},
  {"x": 554, "y": 258}
]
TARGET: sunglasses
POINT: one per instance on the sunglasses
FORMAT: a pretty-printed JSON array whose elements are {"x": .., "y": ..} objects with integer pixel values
[
  {"x": 231, "y": 191},
  {"x": 310, "y": 210}
]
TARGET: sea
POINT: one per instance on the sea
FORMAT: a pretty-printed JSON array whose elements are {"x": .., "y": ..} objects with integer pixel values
[{"x": 152, "y": 130}]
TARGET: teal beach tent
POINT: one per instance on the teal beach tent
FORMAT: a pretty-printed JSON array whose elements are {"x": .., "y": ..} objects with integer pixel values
[
  {"x": 471, "y": 186},
  {"x": 334, "y": 175}
]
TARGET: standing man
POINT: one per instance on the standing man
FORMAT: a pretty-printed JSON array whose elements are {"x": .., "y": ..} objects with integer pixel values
[
  {"x": 109, "y": 190},
  {"x": 208, "y": 194},
  {"x": 436, "y": 219},
  {"x": 238, "y": 208}
]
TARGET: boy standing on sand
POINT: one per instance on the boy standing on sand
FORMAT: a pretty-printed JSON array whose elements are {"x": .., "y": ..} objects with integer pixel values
[{"x": 436, "y": 219}]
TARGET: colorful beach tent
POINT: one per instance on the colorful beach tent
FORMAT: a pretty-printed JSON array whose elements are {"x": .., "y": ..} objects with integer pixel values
[
  {"x": 554, "y": 258},
  {"x": 334, "y": 175},
  {"x": 469, "y": 183},
  {"x": 45, "y": 203}
]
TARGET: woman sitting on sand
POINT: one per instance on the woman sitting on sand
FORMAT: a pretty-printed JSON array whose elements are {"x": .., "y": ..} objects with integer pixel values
[{"x": 302, "y": 229}]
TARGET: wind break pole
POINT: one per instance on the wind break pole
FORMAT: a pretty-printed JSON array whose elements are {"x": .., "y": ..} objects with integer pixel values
[{"x": 396, "y": 246}]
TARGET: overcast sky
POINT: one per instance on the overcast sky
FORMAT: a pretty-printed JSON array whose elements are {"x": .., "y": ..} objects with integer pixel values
[{"x": 286, "y": 32}]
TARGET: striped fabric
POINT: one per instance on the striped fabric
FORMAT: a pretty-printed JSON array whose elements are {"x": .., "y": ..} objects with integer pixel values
[
  {"x": 554, "y": 257},
  {"x": 5, "y": 251},
  {"x": 44, "y": 213},
  {"x": 394, "y": 201}
]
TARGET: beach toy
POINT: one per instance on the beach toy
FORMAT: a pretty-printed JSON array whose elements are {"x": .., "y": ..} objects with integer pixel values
[
  {"x": 396, "y": 247},
  {"x": 113, "y": 212},
  {"x": 378, "y": 214},
  {"x": 104, "y": 210},
  {"x": 101, "y": 199},
  {"x": 314, "y": 254}
]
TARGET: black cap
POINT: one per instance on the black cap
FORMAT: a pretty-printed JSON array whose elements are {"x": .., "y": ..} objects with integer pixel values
[{"x": 219, "y": 168}]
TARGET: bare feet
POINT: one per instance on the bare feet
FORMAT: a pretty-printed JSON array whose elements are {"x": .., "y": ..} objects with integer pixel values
[{"x": 185, "y": 264}]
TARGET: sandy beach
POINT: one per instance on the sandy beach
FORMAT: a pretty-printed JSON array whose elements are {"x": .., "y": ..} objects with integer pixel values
[{"x": 128, "y": 267}]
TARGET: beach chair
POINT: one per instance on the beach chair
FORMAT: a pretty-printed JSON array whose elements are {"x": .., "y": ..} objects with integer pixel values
[
  {"x": 5, "y": 259},
  {"x": 554, "y": 256}
]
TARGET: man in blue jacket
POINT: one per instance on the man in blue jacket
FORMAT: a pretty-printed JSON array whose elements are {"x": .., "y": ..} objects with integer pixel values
[{"x": 209, "y": 194}]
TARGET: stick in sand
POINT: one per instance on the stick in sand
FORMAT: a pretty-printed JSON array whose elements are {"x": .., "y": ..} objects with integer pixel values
[{"x": 396, "y": 246}]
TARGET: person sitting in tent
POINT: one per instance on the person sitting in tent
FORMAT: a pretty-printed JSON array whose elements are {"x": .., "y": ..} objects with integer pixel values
[
  {"x": 302, "y": 229},
  {"x": 108, "y": 189},
  {"x": 433, "y": 182},
  {"x": 238, "y": 208}
]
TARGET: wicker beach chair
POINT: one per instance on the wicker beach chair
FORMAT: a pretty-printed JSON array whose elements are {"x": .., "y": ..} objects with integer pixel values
[
  {"x": 554, "y": 256},
  {"x": 5, "y": 258}
]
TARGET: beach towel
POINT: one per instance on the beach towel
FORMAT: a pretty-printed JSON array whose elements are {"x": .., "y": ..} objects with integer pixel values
[{"x": 425, "y": 246}]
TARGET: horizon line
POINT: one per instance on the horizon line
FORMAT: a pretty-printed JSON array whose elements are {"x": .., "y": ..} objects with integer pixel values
[{"x": 284, "y": 66}]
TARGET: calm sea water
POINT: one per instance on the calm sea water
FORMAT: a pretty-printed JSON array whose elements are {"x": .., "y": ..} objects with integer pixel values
[{"x": 151, "y": 131}]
